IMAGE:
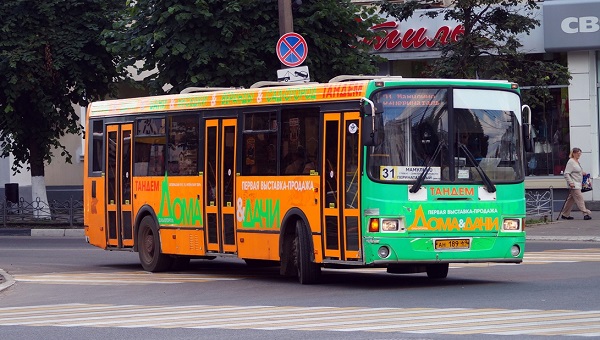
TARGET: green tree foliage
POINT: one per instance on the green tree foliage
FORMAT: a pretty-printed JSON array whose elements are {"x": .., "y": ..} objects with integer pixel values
[
  {"x": 233, "y": 43},
  {"x": 490, "y": 46},
  {"x": 51, "y": 57}
]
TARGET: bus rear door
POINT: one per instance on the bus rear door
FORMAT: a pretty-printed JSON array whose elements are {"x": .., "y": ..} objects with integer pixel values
[
  {"x": 219, "y": 184},
  {"x": 340, "y": 183},
  {"x": 118, "y": 185}
]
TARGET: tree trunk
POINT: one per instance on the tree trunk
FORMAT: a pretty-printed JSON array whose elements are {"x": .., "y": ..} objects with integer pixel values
[{"x": 39, "y": 198}]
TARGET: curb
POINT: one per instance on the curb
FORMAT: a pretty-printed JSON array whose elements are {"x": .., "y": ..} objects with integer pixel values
[
  {"x": 43, "y": 232},
  {"x": 57, "y": 232},
  {"x": 8, "y": 280},
  {"x": 565, "y": 238}
]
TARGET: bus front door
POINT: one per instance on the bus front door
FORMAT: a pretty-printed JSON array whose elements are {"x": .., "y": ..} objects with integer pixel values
[
  {"x": 118, "y": 185},
  {"x": 340, "y": 183},
  {"x": 219, "y": 184}
]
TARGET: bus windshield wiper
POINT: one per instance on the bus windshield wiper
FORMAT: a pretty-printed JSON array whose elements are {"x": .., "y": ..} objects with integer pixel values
[
  {"x": 486, "y": 180},
  {"x": 415, "y": 187}
]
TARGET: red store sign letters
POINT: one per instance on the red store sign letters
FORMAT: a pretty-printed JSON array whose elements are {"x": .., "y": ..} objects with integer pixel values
[{"x": 413, "y": 38}]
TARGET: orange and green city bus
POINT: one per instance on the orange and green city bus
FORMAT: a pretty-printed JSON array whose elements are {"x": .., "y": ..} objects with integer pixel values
[{"x": 383, "y": 172}]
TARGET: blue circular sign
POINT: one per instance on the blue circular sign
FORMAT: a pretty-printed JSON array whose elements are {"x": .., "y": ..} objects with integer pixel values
[{"x": 292, "y": 49}]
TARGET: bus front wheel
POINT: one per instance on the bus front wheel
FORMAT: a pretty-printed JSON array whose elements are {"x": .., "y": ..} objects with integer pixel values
[
  {"x": 437, "y": 271},
  {"x": 308, "y": 271},
  {"x": 151, "y": 258}
]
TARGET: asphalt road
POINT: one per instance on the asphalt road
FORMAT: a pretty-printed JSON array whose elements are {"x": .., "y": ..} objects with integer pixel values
[{"x": 66, "y": 288}]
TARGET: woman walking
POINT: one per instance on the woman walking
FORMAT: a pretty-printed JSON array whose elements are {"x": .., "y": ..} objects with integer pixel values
[{"x": 574, "y": 175}]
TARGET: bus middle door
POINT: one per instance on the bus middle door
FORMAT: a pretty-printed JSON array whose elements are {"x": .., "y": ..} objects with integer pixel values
[
  {"x": 219, "y": 184},
  {"x": 340, "y": 183},
  {"x": 118, "y": 185}
]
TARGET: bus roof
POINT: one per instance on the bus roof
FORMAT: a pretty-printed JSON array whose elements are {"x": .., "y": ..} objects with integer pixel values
[{"x": 301, "y": 93}]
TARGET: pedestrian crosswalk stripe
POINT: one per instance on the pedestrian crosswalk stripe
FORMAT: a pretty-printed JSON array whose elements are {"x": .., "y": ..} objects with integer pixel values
[
  {"x": 455, "y": 321},
  {"x": 120, "y": 278},
  {"x": 562, "y": 256}
]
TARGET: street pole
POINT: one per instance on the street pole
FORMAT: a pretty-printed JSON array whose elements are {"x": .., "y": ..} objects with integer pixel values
[{"x": 286, "y": 21}]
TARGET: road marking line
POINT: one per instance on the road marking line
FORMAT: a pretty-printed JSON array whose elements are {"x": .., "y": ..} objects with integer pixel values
[{"x": 342, "y": 319}]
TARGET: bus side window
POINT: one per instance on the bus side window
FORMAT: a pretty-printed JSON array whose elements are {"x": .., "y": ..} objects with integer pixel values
[
  {"x": 296, "y": 162},
  {"x": 299, "y": 140},
  {"x": 249, "y": 155},
  {"x": 97, "y": 146},
  {"x": 183, "y": 146},
  {"x": 157, "y": 160},
  {"x": 259, "y": 152},
  {"x": 150, "y": 147},
  {"x": 259, "y": 143}
]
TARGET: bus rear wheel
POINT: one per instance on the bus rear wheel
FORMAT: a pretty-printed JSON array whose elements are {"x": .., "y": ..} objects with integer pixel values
[
  {"x": 437, "y": 271},
  {"x": 151, "y": 258},
  {"x": 308, "y": 271}
]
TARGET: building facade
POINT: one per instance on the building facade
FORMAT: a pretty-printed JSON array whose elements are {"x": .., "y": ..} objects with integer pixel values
[
  {"x": 572, "y": 27},
  {"x": 63, "y": 180}
]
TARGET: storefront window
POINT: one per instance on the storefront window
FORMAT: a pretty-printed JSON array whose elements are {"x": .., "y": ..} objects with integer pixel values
[
  {"x": 598, "y": 82},
  {"x": 598, "y": 79},
  {"x": 551, "y": 135}
]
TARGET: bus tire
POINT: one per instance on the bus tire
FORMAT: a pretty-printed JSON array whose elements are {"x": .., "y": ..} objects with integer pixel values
[
  {"x": 151, "y": 258},
  {"x": 308, "y": 271},
  {"x": 437, "y": 271}
]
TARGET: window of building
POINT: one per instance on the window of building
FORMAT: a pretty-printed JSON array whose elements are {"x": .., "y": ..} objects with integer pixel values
[
  {"x": 551, "y": 135},
  {"x": 550, "y": 122},
  {"x": 598, "y": 83}
]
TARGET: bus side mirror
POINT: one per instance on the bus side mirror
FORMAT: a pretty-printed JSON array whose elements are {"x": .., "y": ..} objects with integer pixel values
[{"x": 372, "y": 123}]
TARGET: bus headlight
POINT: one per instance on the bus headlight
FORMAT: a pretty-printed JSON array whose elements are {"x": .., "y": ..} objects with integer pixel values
[
  {"x": 386, "y": 225},
  {"x": 389, "y": 225},
  {"x": 511, "y": 224}
]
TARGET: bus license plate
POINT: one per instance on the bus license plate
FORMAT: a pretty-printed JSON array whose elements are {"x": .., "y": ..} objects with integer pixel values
[{"x": 453, "y": 244}]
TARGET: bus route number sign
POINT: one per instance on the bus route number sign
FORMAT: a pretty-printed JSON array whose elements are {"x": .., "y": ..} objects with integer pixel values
[{"x": 408, "y": 173}]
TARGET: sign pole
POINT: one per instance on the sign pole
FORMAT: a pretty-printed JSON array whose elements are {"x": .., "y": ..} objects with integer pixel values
[{"x": 286, "y": 21}]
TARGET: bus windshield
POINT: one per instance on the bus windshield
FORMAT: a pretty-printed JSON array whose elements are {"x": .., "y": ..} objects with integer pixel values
[{"x": 453, "y": 135}]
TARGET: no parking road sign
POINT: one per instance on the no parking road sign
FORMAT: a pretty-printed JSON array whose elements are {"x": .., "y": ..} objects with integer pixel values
[{"x": 292, "y": 49}]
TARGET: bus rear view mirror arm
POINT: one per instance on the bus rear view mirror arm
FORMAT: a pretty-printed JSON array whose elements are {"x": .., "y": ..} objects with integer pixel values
[{"x": 372, "y": 125}]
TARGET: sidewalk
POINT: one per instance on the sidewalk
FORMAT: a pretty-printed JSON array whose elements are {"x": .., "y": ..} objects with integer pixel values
[{"x": 567, "y": 230}]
